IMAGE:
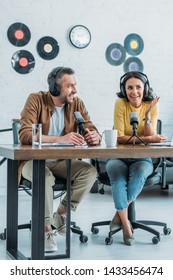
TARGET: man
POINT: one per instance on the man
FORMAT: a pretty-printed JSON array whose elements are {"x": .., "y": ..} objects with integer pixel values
[{"x": 55, "y": 111}]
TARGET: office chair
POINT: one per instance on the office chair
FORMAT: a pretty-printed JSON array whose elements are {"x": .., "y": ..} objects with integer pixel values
[
  {"x": 153, "y": 179},
  {"x": 59, "y": 189}
]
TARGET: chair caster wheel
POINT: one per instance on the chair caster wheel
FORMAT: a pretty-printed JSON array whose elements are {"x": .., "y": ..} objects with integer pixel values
[
  {"x": 2, "y": 236},
  {"x": 101, "y": 191},
  {"x": 83, "y": 238},
  {"x": 108, "y": 240},
  {"x": 95, "y": 230},
  {"x": 166, "y": 231},
  {"x": 155, "y": 240}
]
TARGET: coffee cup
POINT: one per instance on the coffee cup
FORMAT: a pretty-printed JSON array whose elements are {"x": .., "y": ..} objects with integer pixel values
[{"x": 110, "y": 137}]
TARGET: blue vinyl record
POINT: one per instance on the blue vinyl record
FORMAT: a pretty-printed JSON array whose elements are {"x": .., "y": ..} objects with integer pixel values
[
  {"x": 115, "y": 54},
  {"x": 133, "y": 44},
  {"x": 133, "y": 64}
]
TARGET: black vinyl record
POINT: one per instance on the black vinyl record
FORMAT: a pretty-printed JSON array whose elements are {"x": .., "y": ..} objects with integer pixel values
[
  {"x": 47, "y": 47},
  {"x": 115, "y": 54},
  {"x": 23, "y": 62},
  {"x": 133, "y": 64},
  {"x": 18, "y": 34},
  {"x": 133, "y": 44}
]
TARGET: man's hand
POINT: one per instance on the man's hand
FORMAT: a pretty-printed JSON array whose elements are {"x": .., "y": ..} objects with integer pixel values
[
  {"x": 73, "y": 138},
  {"x": 92, "y": 137}
]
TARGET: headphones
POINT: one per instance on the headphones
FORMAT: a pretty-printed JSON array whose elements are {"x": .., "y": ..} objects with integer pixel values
[
  {"x": 54, "y": 88},
  {"x": 134, "y": 74}
]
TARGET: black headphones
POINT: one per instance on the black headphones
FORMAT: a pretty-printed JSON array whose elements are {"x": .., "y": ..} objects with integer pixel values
[
  {"x": 134, "y": 74},
  {"x": 54, "y": 88}
]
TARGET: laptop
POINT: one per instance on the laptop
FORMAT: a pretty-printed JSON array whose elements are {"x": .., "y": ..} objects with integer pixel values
[
  {"x": 57, "y": 144},
  {"x": 166, "y": 143}
]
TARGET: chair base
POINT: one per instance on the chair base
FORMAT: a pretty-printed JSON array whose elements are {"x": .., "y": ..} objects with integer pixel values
[
  {"x": 141, "y": 224},
  {"x": 74, "y": 228}
]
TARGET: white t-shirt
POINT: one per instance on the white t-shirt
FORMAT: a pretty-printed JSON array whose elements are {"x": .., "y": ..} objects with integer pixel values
[{"x": 57, "y": 122}]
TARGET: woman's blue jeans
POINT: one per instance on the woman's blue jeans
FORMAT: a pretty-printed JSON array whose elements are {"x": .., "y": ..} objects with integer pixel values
[{"x": 127, "y": 178}]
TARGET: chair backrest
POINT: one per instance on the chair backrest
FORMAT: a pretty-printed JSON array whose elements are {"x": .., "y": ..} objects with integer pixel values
[
  {"x": 4, "y": 130},
  {"x": 159, "y": 126},
  {"x": 16, "y": 127}
]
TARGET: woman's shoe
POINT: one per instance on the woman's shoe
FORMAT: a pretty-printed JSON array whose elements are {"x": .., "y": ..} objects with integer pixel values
[
  {"x": 129, "y": 240},
  {"x": 114, "y": 226}
]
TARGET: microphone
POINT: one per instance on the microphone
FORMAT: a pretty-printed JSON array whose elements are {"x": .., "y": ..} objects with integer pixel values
[
  {"x": 134, "y": 120},
  {"x": 80, "y": 122}
]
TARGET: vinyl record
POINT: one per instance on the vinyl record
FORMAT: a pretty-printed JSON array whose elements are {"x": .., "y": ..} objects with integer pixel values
[
  {"x": 47, "y": 47},
  {"x": 115, "y": 54},
  {"x": 133, "y": 44},
  {"x": 133, "y": 64},
  {"x": 23, "y": 62},
  {"x": 18, "y": 34}
]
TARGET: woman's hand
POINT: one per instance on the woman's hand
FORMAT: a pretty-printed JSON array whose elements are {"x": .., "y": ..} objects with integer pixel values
[
  {"x": 156, "y": 138},
  {"x": 152, "y": 105}
]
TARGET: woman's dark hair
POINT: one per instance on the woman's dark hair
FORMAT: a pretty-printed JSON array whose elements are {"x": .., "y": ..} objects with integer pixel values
[{"x": 148, "y": 91}]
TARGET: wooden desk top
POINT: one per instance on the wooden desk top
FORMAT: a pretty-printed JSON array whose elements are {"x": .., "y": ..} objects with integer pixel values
[{"x": 26, "y": 152}]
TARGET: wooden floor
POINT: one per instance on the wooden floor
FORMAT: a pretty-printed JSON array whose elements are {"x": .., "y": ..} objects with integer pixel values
[{"x": 152, "y": 204}]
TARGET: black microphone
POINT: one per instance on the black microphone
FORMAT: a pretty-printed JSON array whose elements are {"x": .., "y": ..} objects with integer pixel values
[
  {"x": 134, "y": 120},
  {"x": 80, "y": 122}
]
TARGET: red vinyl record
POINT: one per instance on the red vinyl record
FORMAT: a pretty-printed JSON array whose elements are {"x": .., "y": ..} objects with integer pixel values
[
  {"x": 23, "y": 62},
  {"x": 18, "y": 34},
  {"x": 47, "y": 47}
]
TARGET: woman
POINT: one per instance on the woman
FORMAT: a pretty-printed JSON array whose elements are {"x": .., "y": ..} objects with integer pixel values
[{"x": 127, "y": 176}]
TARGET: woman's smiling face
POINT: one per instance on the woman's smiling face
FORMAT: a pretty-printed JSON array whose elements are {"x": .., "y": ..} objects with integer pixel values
[{"x": 134, "y": 88}]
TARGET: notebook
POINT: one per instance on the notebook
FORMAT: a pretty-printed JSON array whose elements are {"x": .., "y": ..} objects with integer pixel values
[{"x": 167, "y": 143}]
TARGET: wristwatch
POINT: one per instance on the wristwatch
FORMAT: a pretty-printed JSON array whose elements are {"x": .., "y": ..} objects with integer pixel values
[{"x": 148, "y": 121}]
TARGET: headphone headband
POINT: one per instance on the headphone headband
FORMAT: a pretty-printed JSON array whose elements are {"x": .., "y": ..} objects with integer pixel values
[{"x": 134, "y": 74}]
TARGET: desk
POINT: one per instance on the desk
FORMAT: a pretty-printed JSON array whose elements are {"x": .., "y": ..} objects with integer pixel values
[{"x": 14, "y": 153}]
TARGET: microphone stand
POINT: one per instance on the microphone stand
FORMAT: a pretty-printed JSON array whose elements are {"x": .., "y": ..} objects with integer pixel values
[{"x": 134, "y": 136}]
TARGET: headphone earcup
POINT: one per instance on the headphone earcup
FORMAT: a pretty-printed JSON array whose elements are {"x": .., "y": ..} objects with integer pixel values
[
  {"x": 54, "y": 88},
  {"x": 146, "y": 88},
  {"x": 122, "y": 89}
]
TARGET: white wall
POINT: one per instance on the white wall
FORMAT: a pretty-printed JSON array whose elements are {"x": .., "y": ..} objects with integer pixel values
[{"x": 109, "y": 21}]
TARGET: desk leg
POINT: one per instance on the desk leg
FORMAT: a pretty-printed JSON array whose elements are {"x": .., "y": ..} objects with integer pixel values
[
  {"x": 163, "y": 187},
  {"x": 68, "y": 207},
  {"x": 38, "y": 205},
  {"x": 12, "y": 210}
]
